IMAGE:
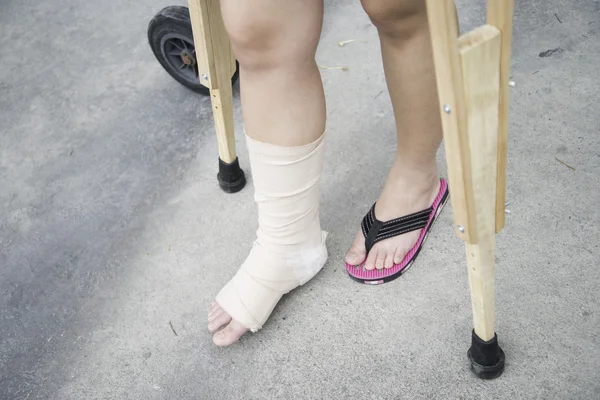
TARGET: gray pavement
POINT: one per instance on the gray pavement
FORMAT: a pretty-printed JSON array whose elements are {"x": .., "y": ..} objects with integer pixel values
[{"x": 112, "y": 226}]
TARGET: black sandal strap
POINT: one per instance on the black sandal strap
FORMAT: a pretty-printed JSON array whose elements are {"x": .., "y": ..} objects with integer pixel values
[{"x": 376, "y": 230}]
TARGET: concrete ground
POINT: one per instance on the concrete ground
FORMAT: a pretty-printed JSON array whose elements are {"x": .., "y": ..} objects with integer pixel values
[{"x": 113, "y": 228}]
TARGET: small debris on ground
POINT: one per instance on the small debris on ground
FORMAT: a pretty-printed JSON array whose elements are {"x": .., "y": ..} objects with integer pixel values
[
  {"x": 345, "y": 42},
  {"x": 564, "y": 163},
  {"x": 512, "y": 84},
  {"x": 551, "y": 52},
  {"x": 173, "y": 329},
  {"x": 332, "y": 67},
  {"x": 558, "y": 19}
]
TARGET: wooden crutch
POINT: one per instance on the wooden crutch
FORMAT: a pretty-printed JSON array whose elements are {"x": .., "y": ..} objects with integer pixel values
[
  {"x": 472, "y": 73},
  {"x": 216, "y": 66}
]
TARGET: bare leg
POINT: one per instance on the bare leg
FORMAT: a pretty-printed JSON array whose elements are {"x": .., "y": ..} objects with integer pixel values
[
  {"x": 275, "y": 42},
  {"x": 282, "y": 94},
  {"x": 412, "y": 183}
]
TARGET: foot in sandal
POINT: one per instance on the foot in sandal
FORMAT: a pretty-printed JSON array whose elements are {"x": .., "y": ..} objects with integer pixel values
[{"x": 394, "y": 230}]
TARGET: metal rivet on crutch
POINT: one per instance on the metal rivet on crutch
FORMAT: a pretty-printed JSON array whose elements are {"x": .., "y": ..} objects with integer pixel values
[
  {"x": 460, "y": 228},
  {"x": 205, "y": 77},
  {"x": 447, "y": 109}
]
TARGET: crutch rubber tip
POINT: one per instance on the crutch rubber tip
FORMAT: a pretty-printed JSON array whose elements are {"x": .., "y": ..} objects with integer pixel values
[
  {"x": 231, "y": 177},
  {"x": 487, "y": 358}
]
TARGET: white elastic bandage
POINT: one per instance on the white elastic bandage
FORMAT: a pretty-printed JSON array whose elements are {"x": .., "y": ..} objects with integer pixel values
[{"x": 290, "y": 246}]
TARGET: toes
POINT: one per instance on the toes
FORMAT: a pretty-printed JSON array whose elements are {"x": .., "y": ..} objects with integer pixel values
[
  {"x": 218, "y": 321},
  {"x": 399, "y": 255},
  {"x": 215, "y": 314},
  {"x": 214, "y": 311},
  {"x": 380, "y": 260},
  {"x": 371, "y": 260},
  {"x": 216, "y": 324},
  {"x": 389, "y": 261},
  {"x": 357, "y": 253},
  {"x": 355, "y": 256},
  {"x": 230, "y": 334}
]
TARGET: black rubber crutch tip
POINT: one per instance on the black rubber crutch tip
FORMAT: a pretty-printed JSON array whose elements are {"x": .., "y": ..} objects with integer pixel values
[
  {"x": 231, "y": 177},
  {"x": 487, "y": 358}
]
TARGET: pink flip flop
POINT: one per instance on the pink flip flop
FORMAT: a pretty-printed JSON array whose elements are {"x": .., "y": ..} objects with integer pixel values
[{"x": 376, "y": 230}]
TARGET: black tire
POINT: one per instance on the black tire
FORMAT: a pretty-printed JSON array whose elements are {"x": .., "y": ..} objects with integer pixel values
[{"x": 172, "y": 42}]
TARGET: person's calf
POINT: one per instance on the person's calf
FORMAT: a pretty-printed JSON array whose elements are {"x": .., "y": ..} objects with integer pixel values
[{"x": 281, "y": 91}]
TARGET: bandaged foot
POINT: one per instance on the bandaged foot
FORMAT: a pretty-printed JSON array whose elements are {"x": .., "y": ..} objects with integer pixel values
[{"x": 290, "y": 246}]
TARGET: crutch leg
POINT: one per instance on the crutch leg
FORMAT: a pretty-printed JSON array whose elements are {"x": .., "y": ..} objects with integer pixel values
[
  {"x": 472, "y": 83},
  {"x": 216, "y": 66}
]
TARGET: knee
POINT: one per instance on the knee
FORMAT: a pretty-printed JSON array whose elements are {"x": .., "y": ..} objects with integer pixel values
[
  {"x": 252, "y": 42},
  {"x": 260, "y": 43},
  {"x": 399, "y": 18}
]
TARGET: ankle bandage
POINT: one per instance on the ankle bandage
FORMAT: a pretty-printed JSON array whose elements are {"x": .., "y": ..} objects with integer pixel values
[{"x": 290, "y": 246}]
